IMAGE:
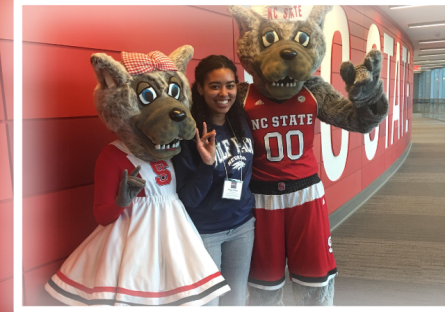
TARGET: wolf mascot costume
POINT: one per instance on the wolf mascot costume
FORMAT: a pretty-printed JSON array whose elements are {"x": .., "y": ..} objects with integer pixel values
[
  {"x": 282, "y": 104},
  {"x": 146, "y": 250}
]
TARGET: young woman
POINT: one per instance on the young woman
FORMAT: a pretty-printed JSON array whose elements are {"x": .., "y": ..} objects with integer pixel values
[{"x": 213, "y": 174}]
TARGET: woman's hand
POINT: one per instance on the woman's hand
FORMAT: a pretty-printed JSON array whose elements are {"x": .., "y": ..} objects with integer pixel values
[{"x": 206, "y": 145}]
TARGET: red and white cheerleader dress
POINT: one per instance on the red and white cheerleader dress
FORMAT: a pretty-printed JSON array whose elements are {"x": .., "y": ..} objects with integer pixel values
[{"x": 151, "y": 254}]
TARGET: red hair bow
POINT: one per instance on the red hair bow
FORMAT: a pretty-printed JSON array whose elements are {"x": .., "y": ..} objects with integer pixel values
[{"x": 139, "y": 63}]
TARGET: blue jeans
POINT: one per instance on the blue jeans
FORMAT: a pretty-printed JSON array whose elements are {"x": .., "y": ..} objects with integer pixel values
[{"x": 231, "y": 251}]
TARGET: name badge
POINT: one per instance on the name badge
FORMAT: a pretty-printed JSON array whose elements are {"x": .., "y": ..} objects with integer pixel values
[{"x": 232, "y": 189}]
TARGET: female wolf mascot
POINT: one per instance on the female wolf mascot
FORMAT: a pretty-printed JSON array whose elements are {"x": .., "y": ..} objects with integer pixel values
[{"x": 146, "y": 250}]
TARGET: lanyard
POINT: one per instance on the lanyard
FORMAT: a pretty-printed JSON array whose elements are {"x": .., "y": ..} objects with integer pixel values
[
  {"x": 232, "y": 188},
  {"x": 238, "y": 147}
]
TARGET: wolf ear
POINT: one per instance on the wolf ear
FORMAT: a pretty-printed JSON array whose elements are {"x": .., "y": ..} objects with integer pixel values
[
  {"x": 245, "y": 18},
  {"x": 181, "y": 56},
  {"x": 109, "y": 73},
  {"x": 318, "y": 14}
]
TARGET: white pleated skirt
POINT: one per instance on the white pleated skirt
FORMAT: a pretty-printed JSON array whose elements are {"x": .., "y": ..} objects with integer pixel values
[{"x": 151, "y": 255}]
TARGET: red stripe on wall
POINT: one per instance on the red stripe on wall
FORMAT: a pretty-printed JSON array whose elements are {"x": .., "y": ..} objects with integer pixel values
[
  {"x": 129, "y": 28},
  {"x": 7, "y": 59},
  {"x": 55, "y": 224},
  {"x": 6, "y": 19},
  {"x": 6, "y": 295},
  {"x": 34, "y": 283},
  {"x": 58, "y": 81},
  {"x": 5, "y": 181},
  {"x": 6, "y": 241},
  {"x": 61, "y": 153}
]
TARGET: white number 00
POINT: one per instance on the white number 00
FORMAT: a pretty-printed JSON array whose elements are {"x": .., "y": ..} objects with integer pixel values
[{"x": 279, "y": 138}]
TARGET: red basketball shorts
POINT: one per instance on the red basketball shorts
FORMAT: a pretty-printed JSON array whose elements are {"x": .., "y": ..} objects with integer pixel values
[{"x": 293, "y": 226}]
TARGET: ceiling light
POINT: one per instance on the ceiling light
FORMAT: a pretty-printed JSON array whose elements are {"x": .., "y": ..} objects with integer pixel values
[
  {"x": 434, "y": 67},
  {"x": 428, "y": 24},
  {"x": 431, "y": 41},
  {"x": 432, "y": 49},
  {"x": 437, "y": 65},
  {"x": 395, "y": 7},
  {"x": 430, "y": 64},
  {"x": 429, "y": 55},
  {"x": 427, "y": 61}
]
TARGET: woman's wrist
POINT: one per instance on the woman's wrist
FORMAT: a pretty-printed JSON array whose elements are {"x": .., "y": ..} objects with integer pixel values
[{"x": 205, "y": 168}]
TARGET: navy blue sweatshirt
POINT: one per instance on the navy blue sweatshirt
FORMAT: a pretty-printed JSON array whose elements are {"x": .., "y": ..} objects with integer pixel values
[{"x": 200, "y": 186}]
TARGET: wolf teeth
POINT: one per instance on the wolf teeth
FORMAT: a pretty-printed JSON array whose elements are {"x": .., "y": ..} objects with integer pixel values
[
  {"x": 288, "y": 85},
  {"x": 172, "y": 144}
]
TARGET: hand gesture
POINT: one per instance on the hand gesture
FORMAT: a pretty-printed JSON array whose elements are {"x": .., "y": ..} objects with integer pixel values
[
  {"x": 206, "y": 145},
  {"x": 129, "y": 187},
  {"x": 363, "y": 82}
]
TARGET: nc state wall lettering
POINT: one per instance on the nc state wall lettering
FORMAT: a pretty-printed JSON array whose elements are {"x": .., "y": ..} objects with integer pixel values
[
  {"x": 272, "y": 13},
  {"x": 288, "y": 13},
  {"x": 336, "y": 20},
  {"x": 295, "y": 11}
]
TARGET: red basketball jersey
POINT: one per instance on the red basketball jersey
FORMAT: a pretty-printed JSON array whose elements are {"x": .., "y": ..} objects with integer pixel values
[{"x": 283, "y": 135}]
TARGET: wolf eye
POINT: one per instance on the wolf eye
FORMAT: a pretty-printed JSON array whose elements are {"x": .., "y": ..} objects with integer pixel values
[
  {"x": 269, "y": 38},
  {"x": 148, "y": 95},
  {"x": 174, "y": 90},
  {"x": 302, "y": 38}
]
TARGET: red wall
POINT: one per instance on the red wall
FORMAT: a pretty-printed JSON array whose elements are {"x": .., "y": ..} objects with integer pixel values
[
  {"x": 6, "y": 125},
  {"x": 62, "y": 135},
  {"x": 359, "y": 171}
]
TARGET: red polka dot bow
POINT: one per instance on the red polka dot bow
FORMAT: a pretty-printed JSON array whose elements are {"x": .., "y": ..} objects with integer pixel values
[{"x": 139, "y": 63}]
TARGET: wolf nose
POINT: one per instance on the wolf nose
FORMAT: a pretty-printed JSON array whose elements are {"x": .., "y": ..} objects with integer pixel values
[
  {"x": 288, "y": 54},
  {"x": 177, "y": 115}
]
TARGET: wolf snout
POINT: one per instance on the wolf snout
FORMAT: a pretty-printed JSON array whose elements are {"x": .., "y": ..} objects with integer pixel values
[
  {"x": 177, "y": 115},
  {"x": 288, "y": 54}
]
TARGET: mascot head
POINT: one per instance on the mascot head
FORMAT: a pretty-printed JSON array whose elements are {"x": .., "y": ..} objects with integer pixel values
[
  {"x": 145, "y": 100},
  {"x": 280, "y": 46}
]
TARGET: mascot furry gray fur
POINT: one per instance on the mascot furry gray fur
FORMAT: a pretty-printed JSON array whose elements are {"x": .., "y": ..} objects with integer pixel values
[
  {"x": 146, "y": 250},
  {"x": 282, "y": 57},
  {"x": 142, "y": 127}
]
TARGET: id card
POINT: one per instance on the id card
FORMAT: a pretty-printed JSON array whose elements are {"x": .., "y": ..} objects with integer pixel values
[{"x": 232, "y": 189}]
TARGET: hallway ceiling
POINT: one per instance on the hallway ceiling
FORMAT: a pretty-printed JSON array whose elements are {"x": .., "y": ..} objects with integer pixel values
[{"x": 416, "y": 15}]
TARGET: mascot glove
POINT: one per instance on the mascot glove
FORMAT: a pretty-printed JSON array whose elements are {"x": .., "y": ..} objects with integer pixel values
[
  {"x": 129, "y": 187},
  {"x": 363, "y": 82}
]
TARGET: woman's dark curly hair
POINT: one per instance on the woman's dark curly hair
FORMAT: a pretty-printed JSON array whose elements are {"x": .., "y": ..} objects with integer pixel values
[{"x": 200, "y": 111}]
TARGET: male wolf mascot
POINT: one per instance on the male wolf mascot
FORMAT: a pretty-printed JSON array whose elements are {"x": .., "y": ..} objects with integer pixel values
[{"x": 282, "y": 47}]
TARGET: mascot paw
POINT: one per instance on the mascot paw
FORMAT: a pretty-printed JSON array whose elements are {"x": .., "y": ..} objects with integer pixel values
[
  {"x": 261, "y": 297},
  {"x": 314, "y": 296},
  {"x": 363, "y": 81},
  {"x": 129, "y": 187}
]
